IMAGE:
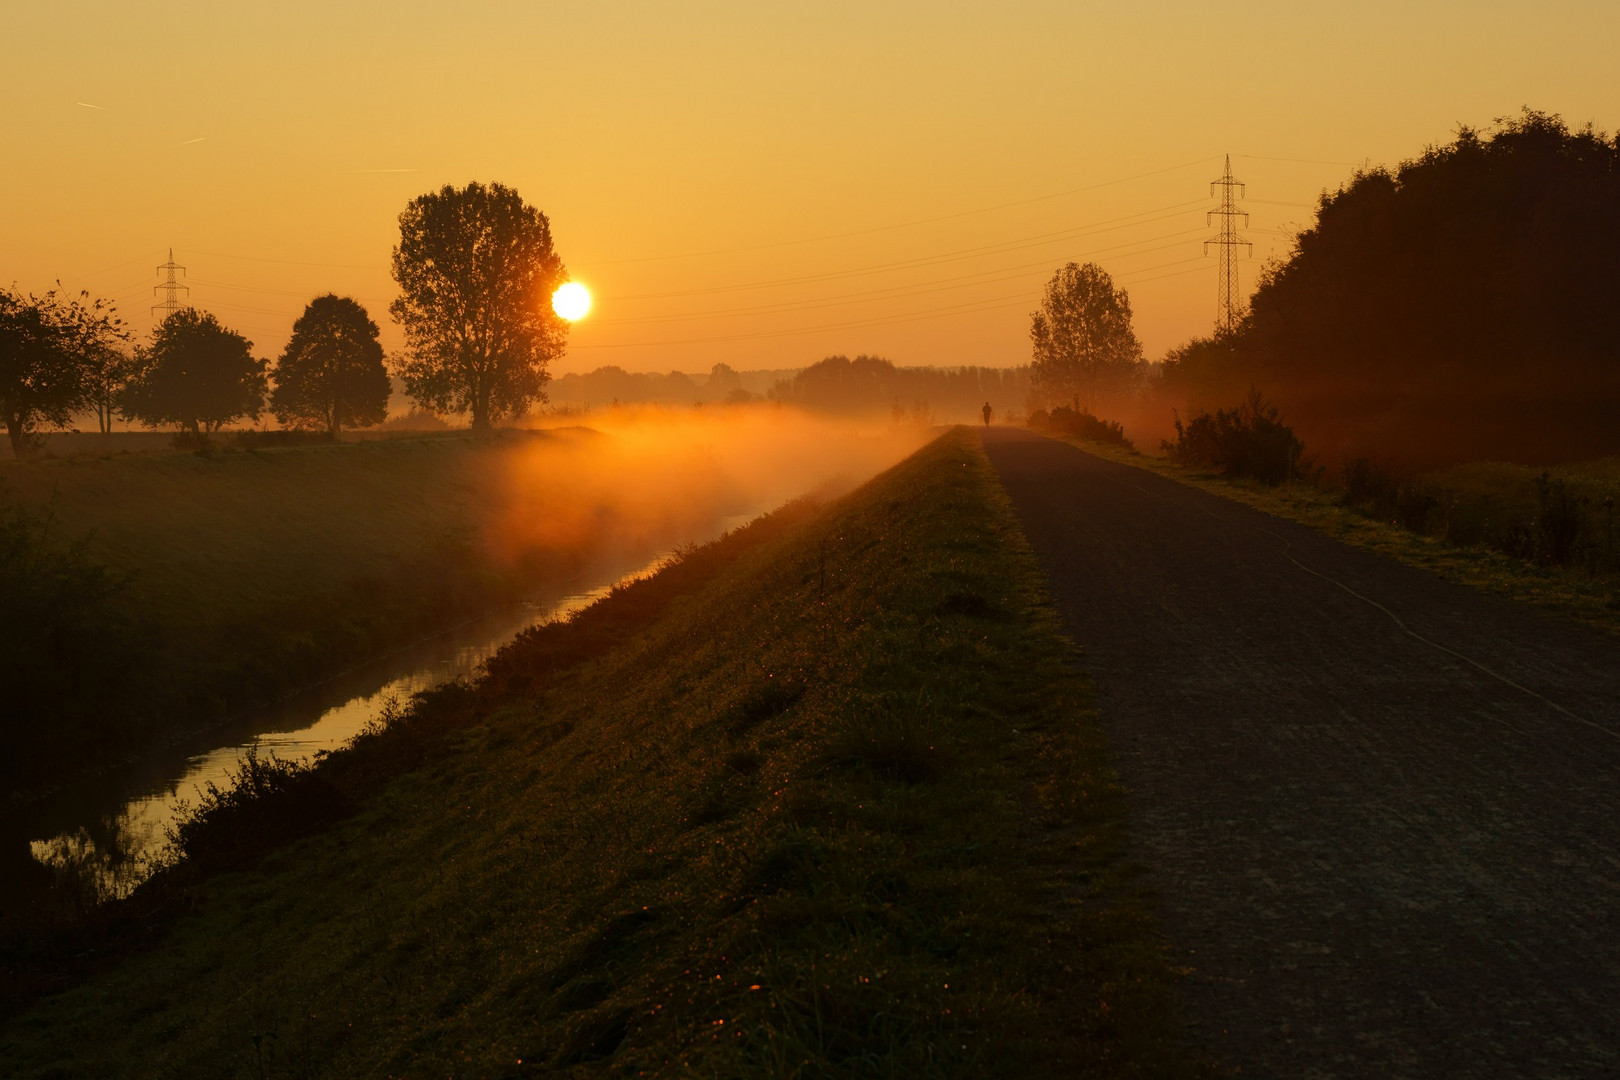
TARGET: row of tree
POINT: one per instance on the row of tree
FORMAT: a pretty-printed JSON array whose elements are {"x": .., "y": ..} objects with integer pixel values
[
  {"x": 60, "y": 355},
  {"x": 476, "y": 271},
  {"x": 866, "y": 384}
]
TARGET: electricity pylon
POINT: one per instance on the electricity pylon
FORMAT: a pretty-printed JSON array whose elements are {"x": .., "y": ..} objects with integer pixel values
[
  {"x": 1228, "y": 306},
  {"x": 171, "y": 288}
]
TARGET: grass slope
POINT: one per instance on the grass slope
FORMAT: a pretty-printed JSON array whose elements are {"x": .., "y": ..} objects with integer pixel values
[
  {"x": 1507, "y": 489},
  {"x": 839, "y": 810}
]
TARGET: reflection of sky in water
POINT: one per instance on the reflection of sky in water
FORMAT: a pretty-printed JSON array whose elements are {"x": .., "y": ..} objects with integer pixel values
[{"x": 142, "y": 824}]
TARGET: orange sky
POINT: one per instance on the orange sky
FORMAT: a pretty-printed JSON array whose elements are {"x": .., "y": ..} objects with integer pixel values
[{"x": 756, "y": 184}]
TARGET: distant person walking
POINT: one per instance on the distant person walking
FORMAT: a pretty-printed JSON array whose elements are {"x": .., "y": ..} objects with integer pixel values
[{"x": 986, "y": 411}]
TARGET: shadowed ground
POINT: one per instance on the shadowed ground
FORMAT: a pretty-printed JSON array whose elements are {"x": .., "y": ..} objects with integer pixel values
[{"x": 1382, "y": 812}]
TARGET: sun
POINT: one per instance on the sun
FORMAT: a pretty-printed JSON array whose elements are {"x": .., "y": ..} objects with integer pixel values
[{"x": 571, "y": 300}]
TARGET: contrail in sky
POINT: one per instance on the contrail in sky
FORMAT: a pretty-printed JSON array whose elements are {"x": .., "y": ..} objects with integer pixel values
[
  {"x": 87, "y": 105},
  {"x": 383, "y": 170},
  {"x": 198, "y": 139}
]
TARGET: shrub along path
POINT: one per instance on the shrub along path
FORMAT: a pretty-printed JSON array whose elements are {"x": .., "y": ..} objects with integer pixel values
[{"x": 1382, "y": 811}]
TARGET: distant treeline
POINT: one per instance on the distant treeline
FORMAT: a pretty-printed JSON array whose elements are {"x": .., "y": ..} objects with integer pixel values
[
  {"x": 871, "y": 384},
  {"x": 837, "y": 384},
  {"x": 1460, "y": 307},
  {"x": 613, "y": 385}
]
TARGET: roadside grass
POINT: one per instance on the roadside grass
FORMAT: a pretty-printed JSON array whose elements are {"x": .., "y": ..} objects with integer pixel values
[
  {"x": 1574, "y": 592},
  {"x": 828, "y": 801}
]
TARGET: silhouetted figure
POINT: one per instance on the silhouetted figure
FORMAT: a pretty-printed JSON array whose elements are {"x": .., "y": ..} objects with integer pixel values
[{"x": 986, "y": 412}]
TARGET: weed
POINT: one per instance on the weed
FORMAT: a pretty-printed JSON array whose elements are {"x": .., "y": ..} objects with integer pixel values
[{"x": 265, "y": 803}]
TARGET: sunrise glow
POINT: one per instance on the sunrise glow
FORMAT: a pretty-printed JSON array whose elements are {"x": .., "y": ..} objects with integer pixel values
[{"x": 571, "y": 301}]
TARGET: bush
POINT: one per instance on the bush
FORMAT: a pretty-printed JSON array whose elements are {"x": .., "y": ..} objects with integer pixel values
[
  {"x": 1249, "y": 440},
  {"x": 1080, "y": 424},
  {"x": 1560, "y": 522},
  {"x": 251, "y": 439},
  {"x": 266, "y": 803},
  {"x": 196, "y": 441}
]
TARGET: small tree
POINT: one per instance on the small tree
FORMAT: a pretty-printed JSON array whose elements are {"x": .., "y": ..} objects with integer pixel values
[
  {"x": 332, "y": 373},
  {"x": 196, "y": 374},
  {"x": 107, "y": 374},
  {"x": 1084, "y": 344},
  {"x": 48, "y": 349},
  {"x": 476, "y": 272}
]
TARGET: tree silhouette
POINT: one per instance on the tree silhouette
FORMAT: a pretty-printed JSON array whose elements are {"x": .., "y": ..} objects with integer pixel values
[
  {"x": 196, "y": 374},
  {"x": 1459, "y": 306},
  {"x": 49, "y": 346},
  {"x": 1084, "y": 345},
  {"x": 332, "y": 373},
  {"x": 107, "y": 373},
  {"x": 476, "y": 272}
]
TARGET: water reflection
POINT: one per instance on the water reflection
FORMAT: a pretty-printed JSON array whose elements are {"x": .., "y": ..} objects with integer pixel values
[{"x": 97, "y": 855}]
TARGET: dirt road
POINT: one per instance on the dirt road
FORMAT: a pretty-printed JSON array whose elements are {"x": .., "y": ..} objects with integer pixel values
[{"x": 1381, "y": 811}]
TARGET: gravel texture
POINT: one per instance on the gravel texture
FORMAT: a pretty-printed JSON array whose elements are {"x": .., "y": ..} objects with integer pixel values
[{"x": 1381, "y": 811}]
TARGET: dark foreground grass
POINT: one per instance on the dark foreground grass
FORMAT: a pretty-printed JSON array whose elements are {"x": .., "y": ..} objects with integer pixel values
[{"x": 840, "y": 809}]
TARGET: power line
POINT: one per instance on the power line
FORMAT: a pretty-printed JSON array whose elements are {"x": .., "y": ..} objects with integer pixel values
[
  {"x": 287, "y": 262},
  {"x": 1037, "y": 240},
  {"x": 894, "y": 292},
  {"x": 909, "y": 224}
]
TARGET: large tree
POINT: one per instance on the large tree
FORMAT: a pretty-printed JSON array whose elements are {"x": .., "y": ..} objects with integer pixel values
[
  {"x": 196, "y": 374},
  {"x": 1460, "y": 306},
  {"x": 332, "y": 373},
  {"x": 476, "y": 272},
  {"x": 1084, "y": 346},
  {"x": 48, "y": 350}
]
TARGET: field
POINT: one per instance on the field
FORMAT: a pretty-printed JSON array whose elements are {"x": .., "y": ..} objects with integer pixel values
[
  {"x": 243, "y": 573},
  {"x": 824, "y": 799}
]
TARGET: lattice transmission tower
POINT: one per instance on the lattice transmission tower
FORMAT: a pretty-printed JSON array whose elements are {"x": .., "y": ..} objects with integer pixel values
[
  {"x": 1228, "y": 301},
  {"x": 171, "y": 289}
]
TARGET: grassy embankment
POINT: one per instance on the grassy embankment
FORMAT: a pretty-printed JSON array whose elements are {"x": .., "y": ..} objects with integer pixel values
[
  {"x": 1466, "y": 503},
  {"x": 823, "y": 799},
  {"x": 251, "y": 572}
]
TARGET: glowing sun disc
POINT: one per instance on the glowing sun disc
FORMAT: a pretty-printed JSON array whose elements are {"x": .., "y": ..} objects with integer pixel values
[{"x": 571, "y": 301}]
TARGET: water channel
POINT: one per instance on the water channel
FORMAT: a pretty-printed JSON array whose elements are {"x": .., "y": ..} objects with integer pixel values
[{"x": 117, "y": 823}]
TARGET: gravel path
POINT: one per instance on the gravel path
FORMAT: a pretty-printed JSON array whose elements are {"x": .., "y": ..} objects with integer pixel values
[{"x": 1381, "y": 811}]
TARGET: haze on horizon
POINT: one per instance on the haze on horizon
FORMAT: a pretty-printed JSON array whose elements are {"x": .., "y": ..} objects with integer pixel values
[{"x": 755, "y": 186}]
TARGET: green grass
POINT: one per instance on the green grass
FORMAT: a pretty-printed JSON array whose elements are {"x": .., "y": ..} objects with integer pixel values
[
  {"x": 214, "y": 538},
  {"x": 836, "y": 805},
  {"x": 252, "y": 572},
  {"x": 1488, "y": 488}
]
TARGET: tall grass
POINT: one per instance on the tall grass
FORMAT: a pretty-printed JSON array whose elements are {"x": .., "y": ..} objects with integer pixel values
[{"x": 1561, "y": 517}]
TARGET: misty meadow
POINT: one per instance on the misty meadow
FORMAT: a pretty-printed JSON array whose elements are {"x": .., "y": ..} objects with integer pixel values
[{"x": 808, "y": 541}]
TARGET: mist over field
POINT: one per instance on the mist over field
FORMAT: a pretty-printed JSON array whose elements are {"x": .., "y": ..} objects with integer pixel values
[
  {"x": 630, "y": 475},
  {"x": 809, "y": 540}
]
